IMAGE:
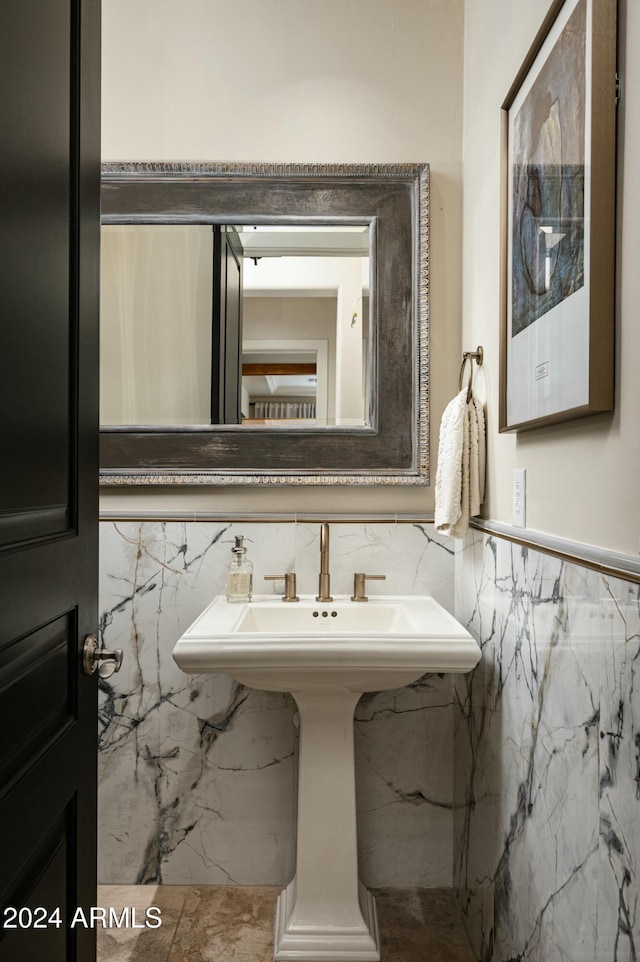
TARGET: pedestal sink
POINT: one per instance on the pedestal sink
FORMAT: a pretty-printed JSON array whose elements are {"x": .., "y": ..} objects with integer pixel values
[{"x": 326, "y": 654}]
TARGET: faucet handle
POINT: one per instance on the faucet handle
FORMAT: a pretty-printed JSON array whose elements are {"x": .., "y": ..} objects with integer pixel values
[
  {"x": 289, "y": 584},
  {"x": 359, "y": 580}
]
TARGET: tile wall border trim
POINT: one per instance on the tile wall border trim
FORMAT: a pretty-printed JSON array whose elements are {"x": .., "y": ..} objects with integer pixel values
[
  {"x": 611, "y": 563},
  {"x": 272, "y": 517}
]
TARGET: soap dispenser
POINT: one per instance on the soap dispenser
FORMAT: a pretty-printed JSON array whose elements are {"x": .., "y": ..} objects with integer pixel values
[{"x": 239, "y": 582}]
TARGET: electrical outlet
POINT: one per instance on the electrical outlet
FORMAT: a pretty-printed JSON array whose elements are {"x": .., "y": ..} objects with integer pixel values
[{"x": 519, "y": 497}]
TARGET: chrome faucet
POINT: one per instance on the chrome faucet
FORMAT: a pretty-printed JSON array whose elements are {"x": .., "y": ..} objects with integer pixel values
[{"x": 324, "y": 580}]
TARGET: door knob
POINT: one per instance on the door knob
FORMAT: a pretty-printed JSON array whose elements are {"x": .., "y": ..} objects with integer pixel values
[{"x": 93, "y": 656}]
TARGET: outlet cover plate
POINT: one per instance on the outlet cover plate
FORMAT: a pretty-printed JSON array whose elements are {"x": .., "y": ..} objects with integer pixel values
[{"x": 519, "y": 497}]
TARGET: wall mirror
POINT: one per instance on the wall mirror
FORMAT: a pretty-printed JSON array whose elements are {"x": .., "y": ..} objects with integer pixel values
[{"x": 264, "y": 324}]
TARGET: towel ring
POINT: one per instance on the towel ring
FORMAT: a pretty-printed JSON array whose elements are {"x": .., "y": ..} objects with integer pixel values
[{"x": 470, "y": 356}]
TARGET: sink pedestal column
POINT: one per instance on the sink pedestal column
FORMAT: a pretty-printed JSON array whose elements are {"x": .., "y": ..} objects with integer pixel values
[{"x": 326, "y": 914}]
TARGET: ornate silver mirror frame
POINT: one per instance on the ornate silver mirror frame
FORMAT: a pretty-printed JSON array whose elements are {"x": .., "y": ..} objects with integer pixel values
[{"x": 393, "y": 448}]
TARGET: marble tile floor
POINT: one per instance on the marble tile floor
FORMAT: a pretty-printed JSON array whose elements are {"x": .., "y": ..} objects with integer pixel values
[{"x": 235, "y": 924}]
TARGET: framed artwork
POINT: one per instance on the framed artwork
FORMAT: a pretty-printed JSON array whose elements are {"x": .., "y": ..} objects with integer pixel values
[{"x": 558, "y": 221}]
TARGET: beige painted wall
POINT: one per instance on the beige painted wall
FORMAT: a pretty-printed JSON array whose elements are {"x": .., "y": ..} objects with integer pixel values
[
  {"x": 582, "y": 476},
  {"x": 299, "y": 80}
]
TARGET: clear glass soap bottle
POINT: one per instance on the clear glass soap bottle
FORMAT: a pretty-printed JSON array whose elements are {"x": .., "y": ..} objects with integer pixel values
[{"x": 239, "y": 581}]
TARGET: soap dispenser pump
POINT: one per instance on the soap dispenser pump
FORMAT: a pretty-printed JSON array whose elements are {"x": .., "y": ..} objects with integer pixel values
[{"x": 239, "y": 582}]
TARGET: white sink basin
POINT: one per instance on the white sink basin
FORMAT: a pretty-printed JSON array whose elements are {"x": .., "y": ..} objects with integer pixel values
[
  {"x": 341, "y": 617},
  {"x": 326, "y": 654},
  {"x": 386, "y": 642}
]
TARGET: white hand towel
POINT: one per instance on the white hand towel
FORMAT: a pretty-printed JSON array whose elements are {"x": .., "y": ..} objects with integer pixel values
[
  {"x": 460, "y": 476},
  {"x": 452, "y": 475}
]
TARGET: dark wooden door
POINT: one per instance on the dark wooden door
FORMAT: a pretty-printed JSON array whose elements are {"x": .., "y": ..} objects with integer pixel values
[
  {"x": 49, "y": 242},
  {"x": 226, "y": 349}
]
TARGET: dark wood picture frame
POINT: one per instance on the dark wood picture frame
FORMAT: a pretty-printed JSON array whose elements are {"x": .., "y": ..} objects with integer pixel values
[{"x": 558, "y": 272}]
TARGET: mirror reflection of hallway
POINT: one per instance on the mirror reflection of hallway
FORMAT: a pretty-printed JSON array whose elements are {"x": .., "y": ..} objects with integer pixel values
[{"x": 304, "y": 315}]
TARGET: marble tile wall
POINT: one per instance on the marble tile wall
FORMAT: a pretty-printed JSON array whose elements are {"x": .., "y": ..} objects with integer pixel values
[
  {"x": 547, "y": 758},
  {"x": 197, "y": 774}
]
